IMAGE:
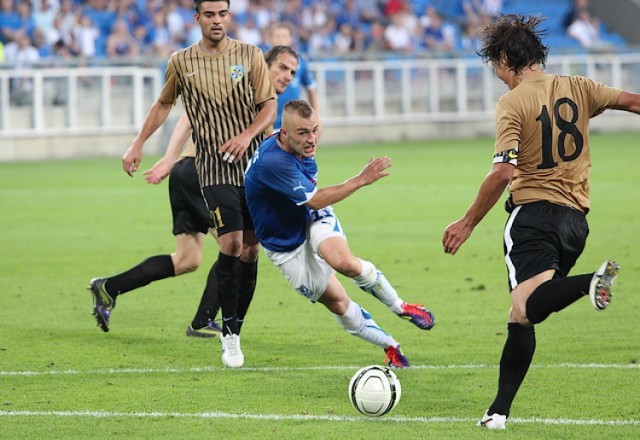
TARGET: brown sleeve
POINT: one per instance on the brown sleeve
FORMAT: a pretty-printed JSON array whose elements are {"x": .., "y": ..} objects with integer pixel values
[{"x": 171, "y": 88}]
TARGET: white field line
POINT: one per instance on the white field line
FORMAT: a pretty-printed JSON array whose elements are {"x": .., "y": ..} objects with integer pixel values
[
  {"x": 285, "y": 369},
  {"x": 307, "y": 417}
]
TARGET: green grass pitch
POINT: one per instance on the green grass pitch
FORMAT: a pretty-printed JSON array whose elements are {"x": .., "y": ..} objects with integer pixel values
[{"x": 65, "y": 222}]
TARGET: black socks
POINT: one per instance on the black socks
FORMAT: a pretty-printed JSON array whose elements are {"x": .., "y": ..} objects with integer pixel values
[
  {"x": 209, "y": 302},
  {"x": 152, "y": 269},
  {"x": 514, "y": 364},
  {"x": 554, "y": 295},
  {"x": 227, "y": 273},
  {"x": 248, "y": 279},
  {"x": 550, "y": 296}
]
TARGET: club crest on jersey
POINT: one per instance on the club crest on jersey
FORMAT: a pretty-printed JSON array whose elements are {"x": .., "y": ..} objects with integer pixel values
[{"x": 237, "y": 72}]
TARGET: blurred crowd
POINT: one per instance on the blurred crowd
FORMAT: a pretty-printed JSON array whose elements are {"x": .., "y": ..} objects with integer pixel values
[
  {"x": 120, "y": 29},
  {"x": 580, "y": 24},
  {"x": 129, "y": 29}
]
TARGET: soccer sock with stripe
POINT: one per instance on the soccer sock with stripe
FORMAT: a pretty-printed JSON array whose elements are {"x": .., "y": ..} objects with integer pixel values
[
  {"x": 359, "y": 322},
  {"x": 208, "y": 303},
  {"x": 246, "y": 289},
  {"x": 516, "y": 357},
  {"x": 554, "y": 295},
  {"x": 227, "y": 272},
  {"x": 373, "y": 281},
  {"x": 152, "y": 269}
]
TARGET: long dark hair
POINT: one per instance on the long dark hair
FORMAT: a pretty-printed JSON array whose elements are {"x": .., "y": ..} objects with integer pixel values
[{"x": 517, "y": 38}]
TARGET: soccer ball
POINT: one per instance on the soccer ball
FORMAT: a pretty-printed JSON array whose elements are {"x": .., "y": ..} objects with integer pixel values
[{"x": 374, "y": 390}]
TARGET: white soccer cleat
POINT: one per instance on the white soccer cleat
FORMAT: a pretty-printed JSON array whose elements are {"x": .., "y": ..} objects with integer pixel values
[
  {"x": 600, "y": 288},
  {"x": 493, "y": 421},
  {"x": 232, "y": 355}
]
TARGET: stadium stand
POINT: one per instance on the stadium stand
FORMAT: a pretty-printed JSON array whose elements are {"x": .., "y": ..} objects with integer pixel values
[{"x": 80, "y": 29}]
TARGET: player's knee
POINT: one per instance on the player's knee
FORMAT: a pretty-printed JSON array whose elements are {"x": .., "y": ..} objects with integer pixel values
[
  {"x": 349, "y": 267},
  {"x": 231, "y": 245},
  {"x": 518, "y": 314},
  {"x": 186, "y": 263},
  {"x": 338, "y": 305},
  {"x": 340, "y": 308},
  {"x": 250, "y": 252}
]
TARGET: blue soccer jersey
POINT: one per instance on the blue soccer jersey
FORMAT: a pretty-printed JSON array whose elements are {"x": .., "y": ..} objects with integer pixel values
[
  {"x": 277, "y": 186},
  {"x": 302, "y": 78}
]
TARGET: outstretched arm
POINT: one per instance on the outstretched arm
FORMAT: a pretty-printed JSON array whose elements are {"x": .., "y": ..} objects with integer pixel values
[
  {"x": 373, "y": 171},
  {"x": 629, "y": 102},
  {"x": 162, "y": 168},
  {"x": 157, "y": 115},
  {"x": 490, "y": 191}
]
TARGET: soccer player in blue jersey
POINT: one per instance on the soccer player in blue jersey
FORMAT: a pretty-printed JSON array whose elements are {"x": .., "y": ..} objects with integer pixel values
[
  {"x": 295, "y": 224},
  {"x": 281, "y": 34}
]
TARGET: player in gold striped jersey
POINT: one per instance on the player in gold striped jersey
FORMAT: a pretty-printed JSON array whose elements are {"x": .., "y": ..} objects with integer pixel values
[
  {"x": 230, "y": 101},
  {"x": 190, "y": 223}
]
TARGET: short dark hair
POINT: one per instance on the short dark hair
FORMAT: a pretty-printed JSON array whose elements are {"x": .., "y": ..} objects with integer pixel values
[
  {"x": 299, "y": 107},
  {"x": 516, "y": 37},
  {"x": 272, "y": 54},
  {"x": 197, "y": 3}
]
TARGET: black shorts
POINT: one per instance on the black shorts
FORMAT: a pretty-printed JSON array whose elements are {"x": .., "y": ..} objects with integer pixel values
[
  {"x": 190, "y": 213},
  {"x": 227, "y": 208},
  {"x": 540, "y": 236}
]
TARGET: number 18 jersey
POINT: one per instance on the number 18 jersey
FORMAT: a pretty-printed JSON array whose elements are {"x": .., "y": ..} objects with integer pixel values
[{"x": 542, "y": 127}]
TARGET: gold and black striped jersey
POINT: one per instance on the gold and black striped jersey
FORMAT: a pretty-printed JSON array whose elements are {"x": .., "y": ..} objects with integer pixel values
[
  {"x": 221, "y": 93},
  {"x": 542, "y": 127}
]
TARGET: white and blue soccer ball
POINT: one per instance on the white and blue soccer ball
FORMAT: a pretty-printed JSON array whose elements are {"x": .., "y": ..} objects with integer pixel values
[{"x": 374, "y": 390}]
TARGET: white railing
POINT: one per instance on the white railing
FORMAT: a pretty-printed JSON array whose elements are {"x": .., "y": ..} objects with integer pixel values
[
  {"x": 440, "y": 90},
  {"x": 75, "y": 101},
  {"x": 114, "y": 100}
]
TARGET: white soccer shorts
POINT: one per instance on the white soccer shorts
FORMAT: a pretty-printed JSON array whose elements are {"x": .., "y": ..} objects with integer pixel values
[
  {"x": 323, "y": 224},
  {"x": 303, "y": 267},
  {"x": 305, "y": 270}
]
